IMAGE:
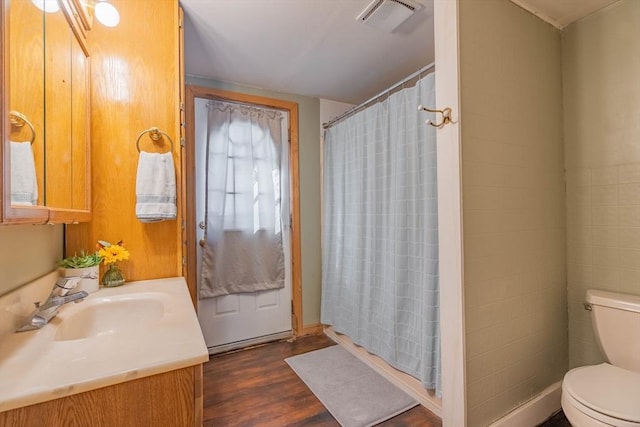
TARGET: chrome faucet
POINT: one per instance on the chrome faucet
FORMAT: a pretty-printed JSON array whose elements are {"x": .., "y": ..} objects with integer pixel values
[{"x": 57, "y": 298}]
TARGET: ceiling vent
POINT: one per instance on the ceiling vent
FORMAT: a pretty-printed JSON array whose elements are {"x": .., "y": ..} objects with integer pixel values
[{"x": 387, "y": 15}]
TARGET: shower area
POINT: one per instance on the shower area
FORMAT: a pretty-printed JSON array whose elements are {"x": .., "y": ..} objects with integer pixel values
[{"x": 380, "y": 285}]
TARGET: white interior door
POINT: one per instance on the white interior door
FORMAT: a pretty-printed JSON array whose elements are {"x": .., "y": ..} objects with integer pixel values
[{"x": 237, "y": 320}]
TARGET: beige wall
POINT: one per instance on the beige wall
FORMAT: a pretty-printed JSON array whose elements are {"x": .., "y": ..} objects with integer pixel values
[
  {"x": 513, "y": 207},
  {"x": 601, "y": 79},
  {"x": 331, "y": 109},
  {"x": 309, "y": 146},
  {"x": 28, "y": 252}
]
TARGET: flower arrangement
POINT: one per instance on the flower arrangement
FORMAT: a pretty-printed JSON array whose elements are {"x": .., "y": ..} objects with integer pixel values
[{"x": 112, "y": 253}]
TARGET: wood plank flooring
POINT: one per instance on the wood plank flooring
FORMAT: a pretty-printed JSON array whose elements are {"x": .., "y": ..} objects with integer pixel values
[
  {"x": 558, "y": 420},
  {"x": 255, "y": 387}
]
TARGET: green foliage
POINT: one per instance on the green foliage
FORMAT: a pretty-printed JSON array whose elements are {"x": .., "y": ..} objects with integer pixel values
[{"x": 81, "y": 261}]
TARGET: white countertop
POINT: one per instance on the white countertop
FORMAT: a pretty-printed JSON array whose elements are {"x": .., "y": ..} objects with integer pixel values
[{"x": 35, "y": 367}]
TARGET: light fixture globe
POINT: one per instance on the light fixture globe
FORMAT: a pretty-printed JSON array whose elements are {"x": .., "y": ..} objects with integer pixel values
[
  {"x": 107, "y": 14},
  {"x": 49, "y": 6}
]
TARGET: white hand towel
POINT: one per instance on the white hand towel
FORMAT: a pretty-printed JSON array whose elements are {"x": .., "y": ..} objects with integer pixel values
[
  {"x": 155, "y": 187},
  {"x": 24, "y": 184}
]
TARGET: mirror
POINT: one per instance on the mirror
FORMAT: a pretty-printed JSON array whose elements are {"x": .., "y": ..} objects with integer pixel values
[
  {"x": 26, "y": 104},
  {"x": 47, "y": 150}
]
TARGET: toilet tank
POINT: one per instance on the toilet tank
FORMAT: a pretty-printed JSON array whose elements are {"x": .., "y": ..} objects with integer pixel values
[{"x": 616, "y": 322}]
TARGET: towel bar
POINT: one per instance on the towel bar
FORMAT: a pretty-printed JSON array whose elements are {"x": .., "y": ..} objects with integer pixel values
[
  {"x": 18, "y": 119},
  {"x": 155, "y": 134}
]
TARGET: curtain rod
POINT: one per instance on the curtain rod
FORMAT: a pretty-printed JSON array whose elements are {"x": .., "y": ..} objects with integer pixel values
[
  {"x": 373, "y": 98},
  {"x": 243, "y": 103}
]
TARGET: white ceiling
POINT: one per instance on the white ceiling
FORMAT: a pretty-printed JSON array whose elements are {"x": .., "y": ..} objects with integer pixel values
[
  {"x": 308, "y": 47},
  {"x": 561, "y": 13},
  {"x": 316, "y": 47}
]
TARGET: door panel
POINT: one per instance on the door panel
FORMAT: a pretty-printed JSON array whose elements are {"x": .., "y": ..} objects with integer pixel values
[
  {"x": 227, "y": 304},
  {"x": 267, "y": 300}
]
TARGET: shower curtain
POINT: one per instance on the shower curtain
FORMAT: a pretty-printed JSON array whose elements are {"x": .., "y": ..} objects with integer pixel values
[
  {"x": 380, "y": 232},
  {"x": 243, "y": 250}
]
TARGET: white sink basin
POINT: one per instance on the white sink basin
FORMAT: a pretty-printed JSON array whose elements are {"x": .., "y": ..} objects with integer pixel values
[
  {"x": 111, "y": 315},
  {"x": 115, "y": 335}
]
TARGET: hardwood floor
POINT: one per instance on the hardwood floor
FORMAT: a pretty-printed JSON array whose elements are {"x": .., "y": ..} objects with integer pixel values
[
  {"x": 255, "y": 387},
  {"x": 558, "y": 420}
]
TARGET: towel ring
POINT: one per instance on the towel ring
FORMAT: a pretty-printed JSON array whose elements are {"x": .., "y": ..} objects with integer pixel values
[
  {"x": 18, "y": 119},
  {"x": 156, "y": 135}
]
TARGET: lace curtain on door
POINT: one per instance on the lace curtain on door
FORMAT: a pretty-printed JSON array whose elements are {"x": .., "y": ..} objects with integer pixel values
[{"x": 242, "y": 249}]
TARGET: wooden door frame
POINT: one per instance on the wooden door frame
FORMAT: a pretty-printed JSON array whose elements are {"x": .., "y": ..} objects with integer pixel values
[{"x": 190, "y": 266}]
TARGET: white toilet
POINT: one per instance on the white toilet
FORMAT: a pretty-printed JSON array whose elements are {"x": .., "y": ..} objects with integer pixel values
[{"x": 608, "y": 394}]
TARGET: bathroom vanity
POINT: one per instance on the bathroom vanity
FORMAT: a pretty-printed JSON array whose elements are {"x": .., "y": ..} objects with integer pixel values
[{"x": 126, "y": 356}]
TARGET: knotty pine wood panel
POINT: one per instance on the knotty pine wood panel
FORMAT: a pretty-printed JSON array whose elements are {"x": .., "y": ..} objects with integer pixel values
[
  {"x": 26, "y": 90},
  {"x": 165, "y": 400},
  {"x": 134, "y": 86}
]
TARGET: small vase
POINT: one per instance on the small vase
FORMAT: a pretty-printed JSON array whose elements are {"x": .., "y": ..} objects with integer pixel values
[{"x": 112, "y": 277}]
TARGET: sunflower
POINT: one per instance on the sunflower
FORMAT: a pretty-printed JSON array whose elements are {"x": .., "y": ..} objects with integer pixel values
[{"x": 112, "y": 253}]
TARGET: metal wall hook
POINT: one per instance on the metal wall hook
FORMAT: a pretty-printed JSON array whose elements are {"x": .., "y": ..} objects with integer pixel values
[{"x": 446, "y": 116}]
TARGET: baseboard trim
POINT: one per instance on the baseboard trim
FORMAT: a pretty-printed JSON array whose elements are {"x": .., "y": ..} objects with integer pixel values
[
  {"x": 535, "y": 411},
  {"x": 313, "y": 329},
  {"x": 405, "y": 382},
  {"x": 249, "y": 343}
]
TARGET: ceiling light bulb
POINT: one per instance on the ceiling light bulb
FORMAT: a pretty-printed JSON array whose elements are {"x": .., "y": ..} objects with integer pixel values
[
  {"x": 107, "y": 14},
  {"x": 49, "y": 6}
]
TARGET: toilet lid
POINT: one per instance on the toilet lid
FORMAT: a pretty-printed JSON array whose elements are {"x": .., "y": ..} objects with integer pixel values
[{"x": 606, "y": 389}]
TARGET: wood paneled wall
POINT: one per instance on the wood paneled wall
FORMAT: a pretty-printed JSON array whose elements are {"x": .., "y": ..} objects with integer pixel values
[{"x": 134, "y": 86}]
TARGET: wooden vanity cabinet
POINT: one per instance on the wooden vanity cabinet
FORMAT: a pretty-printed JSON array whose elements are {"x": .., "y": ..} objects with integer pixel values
[{"x": 170, "y": 399}]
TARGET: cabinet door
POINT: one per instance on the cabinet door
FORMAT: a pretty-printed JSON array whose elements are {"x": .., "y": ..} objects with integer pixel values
[
  {"x": 68, "y": 179},
  {"x": 45, "y": 105},
  {"x": 81, "y": 178},
  {"x": 58, "y": 108}
]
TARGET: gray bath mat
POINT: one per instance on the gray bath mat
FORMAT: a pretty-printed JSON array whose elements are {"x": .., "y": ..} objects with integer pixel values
[{"x": 352, "y": 392}]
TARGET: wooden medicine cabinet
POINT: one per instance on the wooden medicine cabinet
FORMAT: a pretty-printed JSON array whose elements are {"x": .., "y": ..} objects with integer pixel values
[{"x": 45, "y": 74}]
